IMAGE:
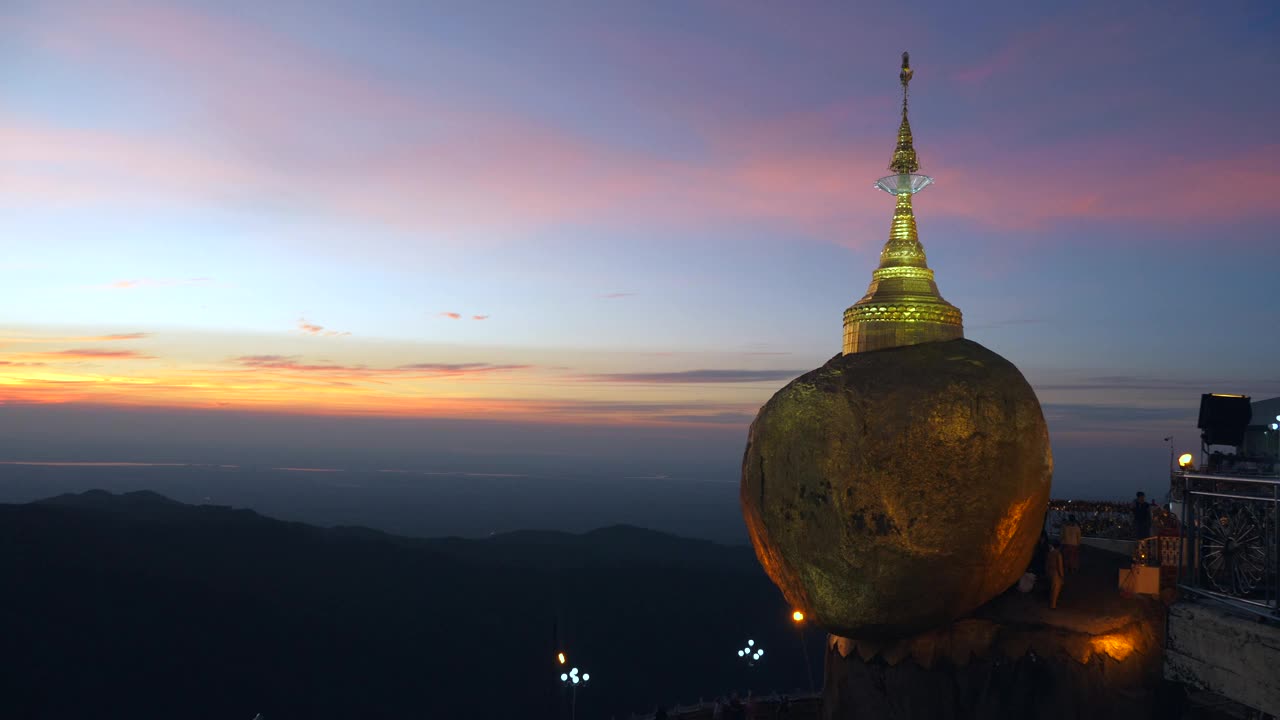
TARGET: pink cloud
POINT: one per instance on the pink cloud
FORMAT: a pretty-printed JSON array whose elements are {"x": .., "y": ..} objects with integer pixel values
[
  {"x": 451, "y": 315},
  {"x": 319, "y": 330},
  {"x": 96, "y": 354},
  {"x": 479, "y": 317},
  {"x": 334, "y": 371},
  {"x": 419, "y": 164}
]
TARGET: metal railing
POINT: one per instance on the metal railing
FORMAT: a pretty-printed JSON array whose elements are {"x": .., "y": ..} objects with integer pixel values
[{"x": 1230, "y": 546}]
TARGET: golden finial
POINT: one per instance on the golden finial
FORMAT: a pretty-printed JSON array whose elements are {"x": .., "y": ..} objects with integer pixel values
[
  {"x": 904, "y": 156},
  {"x": 902, "y": 305}
]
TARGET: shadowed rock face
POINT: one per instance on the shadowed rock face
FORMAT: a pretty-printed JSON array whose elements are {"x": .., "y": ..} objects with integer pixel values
[{"x": 893, "y": 491}]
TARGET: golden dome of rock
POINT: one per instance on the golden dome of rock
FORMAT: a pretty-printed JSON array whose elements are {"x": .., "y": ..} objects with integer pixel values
[{"x": 892, "y": 491}]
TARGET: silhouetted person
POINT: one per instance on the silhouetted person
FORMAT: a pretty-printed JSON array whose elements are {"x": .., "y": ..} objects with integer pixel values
[
  {"x": 1071, "y": 543},
  {"x": 1141, "y": 516},
  {"x": 1056, "y": 572}
]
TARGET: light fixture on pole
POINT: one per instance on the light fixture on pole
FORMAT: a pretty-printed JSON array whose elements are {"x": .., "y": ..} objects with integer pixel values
[
  {"x": 572, "y": 680},
  {"x": 797, "y": 617}
]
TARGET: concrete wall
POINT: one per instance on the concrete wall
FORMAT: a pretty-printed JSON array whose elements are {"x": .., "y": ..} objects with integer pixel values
[{"x": 1227, "y": 654}]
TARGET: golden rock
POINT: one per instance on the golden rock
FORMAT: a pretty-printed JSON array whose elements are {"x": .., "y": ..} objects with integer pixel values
[
  {"x": 904, "y": 483},
  {"x": 894, "y": 491}
]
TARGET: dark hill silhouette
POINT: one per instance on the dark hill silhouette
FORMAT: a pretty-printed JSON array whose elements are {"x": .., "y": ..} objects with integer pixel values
[{"x": 138, "y": 606}]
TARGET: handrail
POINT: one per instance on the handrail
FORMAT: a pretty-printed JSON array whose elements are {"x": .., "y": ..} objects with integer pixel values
[
  {"x": 1256, "y": 479},
  {"x": 1230, "y": 549}
]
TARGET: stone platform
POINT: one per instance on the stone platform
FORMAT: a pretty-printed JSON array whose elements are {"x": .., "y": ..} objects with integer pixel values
[{"x": 1097, "y": 656}]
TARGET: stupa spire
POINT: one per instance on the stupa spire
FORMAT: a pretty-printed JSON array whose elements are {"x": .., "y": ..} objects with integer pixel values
[
  {"x": 904, "y": 156},
  {"x": 902, "y": 305}
]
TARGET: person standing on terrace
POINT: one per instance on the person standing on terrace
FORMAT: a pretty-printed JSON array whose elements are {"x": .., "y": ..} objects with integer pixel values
[
  {"x": 1141, "y": 517},
  {"x": 1053, "y": 568}
]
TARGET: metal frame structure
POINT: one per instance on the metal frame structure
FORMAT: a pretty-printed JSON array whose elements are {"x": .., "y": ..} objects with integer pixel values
[{"x": 1230, "y": 548}]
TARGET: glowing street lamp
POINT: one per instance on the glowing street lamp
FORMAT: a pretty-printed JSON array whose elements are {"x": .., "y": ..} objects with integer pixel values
[
  {"x": 797, "y": 616},
  {"x": 1184, "y": 460}
]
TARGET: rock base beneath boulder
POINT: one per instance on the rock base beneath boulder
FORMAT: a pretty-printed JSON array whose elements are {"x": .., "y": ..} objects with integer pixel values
[{"x": 1097, "y": 656}]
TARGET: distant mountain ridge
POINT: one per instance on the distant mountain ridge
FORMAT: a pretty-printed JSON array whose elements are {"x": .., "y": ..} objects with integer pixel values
[
  {"x": 545, "y": 548},
  {"x": 202, "y": 611}
]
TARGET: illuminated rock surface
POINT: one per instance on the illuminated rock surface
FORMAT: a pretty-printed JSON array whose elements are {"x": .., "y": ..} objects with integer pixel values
[
  {"x": 1097, "y": 656},
  {"x": 893, "y": 491}
]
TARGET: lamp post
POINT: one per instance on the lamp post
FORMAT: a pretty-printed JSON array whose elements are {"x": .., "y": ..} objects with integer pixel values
[
  {"x": 797, "y": 617},
  {"x": 1275, "y": 428},
  {"x": 751, "y": 653},
  {"x": 572, "y": 680}
]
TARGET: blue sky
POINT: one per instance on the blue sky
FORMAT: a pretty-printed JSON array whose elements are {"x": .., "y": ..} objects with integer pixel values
[{"x": 281, "y": 207}]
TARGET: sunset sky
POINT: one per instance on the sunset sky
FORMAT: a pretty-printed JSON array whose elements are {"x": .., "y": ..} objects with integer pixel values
[{"x": 649, "y": 216}]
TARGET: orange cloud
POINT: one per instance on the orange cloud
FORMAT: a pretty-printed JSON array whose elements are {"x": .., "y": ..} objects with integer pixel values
[
  {"x": 479, "y": 317},
  {"x": 451, "y": 315},
  {"x": 75, "y": 339}
]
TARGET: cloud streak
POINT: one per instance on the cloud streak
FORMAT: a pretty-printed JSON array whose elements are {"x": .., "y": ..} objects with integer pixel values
[
  {"x": 319, "y": 330},
  {"x": 697, "y": 377},
  {"x": 95, "y": 354}
]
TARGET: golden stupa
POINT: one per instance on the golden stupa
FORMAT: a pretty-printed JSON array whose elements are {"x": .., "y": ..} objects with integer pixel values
[
  {"x": 904, "y": 483},
  {"x": 902, "y": 306}
]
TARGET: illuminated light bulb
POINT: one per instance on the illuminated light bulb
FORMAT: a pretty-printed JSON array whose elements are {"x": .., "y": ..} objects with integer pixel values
[
  {"x": 751, "y": 642},
  {"x": 560, "y": 657},
  {"x": 797, "y": 616},
  {"x": 575, "y": 679},
  {"x": 563, "y": 677},
  {"x": 741, "y": 653},
  {"x": 1184, "y": 460},
  {"x": 586, "y": 677}
]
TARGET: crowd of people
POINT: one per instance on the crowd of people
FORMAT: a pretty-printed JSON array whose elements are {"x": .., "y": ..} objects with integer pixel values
[
  {"x": 1138, "y": 518},
  {"x": 1057, "y": 553}
]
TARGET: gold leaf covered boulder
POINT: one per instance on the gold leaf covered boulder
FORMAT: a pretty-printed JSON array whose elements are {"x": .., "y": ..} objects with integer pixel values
[{"x": 892, "y": 491}]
